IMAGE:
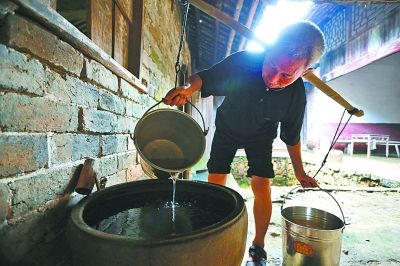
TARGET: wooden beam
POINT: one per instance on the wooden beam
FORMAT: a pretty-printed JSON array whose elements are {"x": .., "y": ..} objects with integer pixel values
[
  {"x": 229, "y": 21},
  {"x": 69, "y": 33},
  {"x": 125, "y": 9},
  {"x": 249, "y": 22},
  {"x": 238, "y": 10},
  {"x": 198, "y": 35}
]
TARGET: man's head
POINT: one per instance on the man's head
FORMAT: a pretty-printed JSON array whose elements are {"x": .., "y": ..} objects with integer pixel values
[{"x": 298, "y": 47}]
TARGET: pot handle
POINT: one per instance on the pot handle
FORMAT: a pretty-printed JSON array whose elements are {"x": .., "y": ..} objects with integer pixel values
[
  {"x": 298, "y": 188},
  {"x": 205, "y": 131}
]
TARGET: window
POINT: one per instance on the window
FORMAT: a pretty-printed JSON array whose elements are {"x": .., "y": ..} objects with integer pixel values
[{"x": 114, "y": 25}]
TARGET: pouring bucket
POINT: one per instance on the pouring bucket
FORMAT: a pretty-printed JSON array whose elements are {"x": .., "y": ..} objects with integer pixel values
[
  {"x": 310, "y": 236},
  {"x": 168, "y": 141}
]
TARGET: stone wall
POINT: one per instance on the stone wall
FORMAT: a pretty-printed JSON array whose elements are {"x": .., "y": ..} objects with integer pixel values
[
  {"x": 57, "y": 108},
  {"x": 332, "y": 174}
]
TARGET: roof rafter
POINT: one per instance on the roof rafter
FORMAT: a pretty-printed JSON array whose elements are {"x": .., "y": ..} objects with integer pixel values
[
  {"x": 249, "y": 22},
  {"x": 216, "y": 33},
  {"x": 238, "y": 10}
]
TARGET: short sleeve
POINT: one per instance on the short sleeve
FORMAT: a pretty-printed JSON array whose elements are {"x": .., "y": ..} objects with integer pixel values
[
  {"x": 293, "y": 121},
  {"x": 218, "y": 79}
]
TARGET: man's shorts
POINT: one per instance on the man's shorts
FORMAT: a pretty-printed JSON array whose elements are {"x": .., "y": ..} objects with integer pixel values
[{"x": 223, "y": 150}]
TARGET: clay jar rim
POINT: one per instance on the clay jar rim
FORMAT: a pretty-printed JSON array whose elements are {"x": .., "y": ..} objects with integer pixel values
[{"x": 141, "y": 186}]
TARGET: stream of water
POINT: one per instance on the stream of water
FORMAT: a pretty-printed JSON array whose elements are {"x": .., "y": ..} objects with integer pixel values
[{"x": 174, "y": 177}]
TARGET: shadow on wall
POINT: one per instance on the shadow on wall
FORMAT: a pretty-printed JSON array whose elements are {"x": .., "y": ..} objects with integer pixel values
[{"x": 39, "y": 232}]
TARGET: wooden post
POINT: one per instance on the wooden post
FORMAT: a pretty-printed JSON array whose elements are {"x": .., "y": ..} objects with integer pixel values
[{"x": 87, "y": 178}]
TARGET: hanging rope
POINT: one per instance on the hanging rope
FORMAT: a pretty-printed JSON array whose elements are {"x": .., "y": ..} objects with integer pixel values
[
  {"x": 178, "y": 66},
  {"x": 334, "y": 139}
]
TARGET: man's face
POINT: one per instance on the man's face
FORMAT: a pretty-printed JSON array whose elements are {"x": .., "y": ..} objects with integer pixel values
[{"x": 281, "y": 71}]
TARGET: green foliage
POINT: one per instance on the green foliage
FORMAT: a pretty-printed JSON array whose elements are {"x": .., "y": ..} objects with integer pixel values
[
  {"x": 284, "y": 180},
  {"x": 239, "y": 171},
  {"x": 283, "y": 172}
]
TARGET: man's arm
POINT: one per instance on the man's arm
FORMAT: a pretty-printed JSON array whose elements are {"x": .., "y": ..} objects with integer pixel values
[
  {"x": 295, "y": 156},
  {"x": 180, "y": 95},
  {"x": 216, "y": 81}
]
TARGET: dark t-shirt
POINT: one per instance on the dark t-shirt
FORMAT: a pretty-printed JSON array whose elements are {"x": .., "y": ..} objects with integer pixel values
[{"x": 250, "y": 112}]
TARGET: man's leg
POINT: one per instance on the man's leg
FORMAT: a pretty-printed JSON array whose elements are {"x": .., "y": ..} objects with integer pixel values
[
  {"x": 219, "y": 179},
  {"x": 262, "y": 207},
  {"x": 259, "y": 156},
  {"x": 222, "y": 153}
]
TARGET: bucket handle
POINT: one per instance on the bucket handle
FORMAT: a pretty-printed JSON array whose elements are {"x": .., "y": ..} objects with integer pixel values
[
  {"x": 205, "y": 131},
  {"x": 321, "y": 189}
]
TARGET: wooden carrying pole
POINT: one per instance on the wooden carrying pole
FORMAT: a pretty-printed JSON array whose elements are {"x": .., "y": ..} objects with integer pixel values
[
  {"x": 332, "y": 94},
  {"x": 246, "y": 32}
]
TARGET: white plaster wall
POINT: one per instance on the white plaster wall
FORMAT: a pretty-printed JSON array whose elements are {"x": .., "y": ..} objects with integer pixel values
[{"x": 374, "y": 88}]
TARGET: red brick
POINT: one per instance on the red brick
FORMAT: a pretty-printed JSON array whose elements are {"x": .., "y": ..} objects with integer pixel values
[
  {"x": 100, "y": 75},
  {"x": 21, "y": 33},
  {"x": 21, "y": 74},
  {"x": 23, "y": 113},
  {"x": 22, "y": 153},
  {"x": 97, "y": 121},
  {"x": 134, "y": 173},
  {"x": 5, "y": 201}
]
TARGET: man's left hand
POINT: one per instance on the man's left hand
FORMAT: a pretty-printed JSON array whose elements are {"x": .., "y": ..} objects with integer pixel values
[{"x": 307, "y": 181}]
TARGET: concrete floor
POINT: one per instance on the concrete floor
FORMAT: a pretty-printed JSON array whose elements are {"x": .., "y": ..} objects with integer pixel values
[
  {"x": 371, "y": 238},
  {"x": 378, "y": 166}
]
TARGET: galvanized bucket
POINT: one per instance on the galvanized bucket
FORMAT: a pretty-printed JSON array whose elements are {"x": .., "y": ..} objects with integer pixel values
[
  {"x": 310, "y": 236},
  {"x": 168, "y": 141}
]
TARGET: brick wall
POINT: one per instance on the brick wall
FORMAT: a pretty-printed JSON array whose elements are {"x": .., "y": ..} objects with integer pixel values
[
  {"x": 58, "y": 107},
  {"x": 160, "y": 28}
]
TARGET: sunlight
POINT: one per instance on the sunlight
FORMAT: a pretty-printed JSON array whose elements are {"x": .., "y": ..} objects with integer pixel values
[{"x": 275, "y": 18}]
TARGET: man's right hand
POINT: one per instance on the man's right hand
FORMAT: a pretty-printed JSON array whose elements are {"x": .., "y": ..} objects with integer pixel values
[
  {"x": 307, "y": 181},
  {"x": 177, "y": 96}
]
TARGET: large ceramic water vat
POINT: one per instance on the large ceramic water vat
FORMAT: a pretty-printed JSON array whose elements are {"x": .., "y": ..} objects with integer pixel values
[{"x": 219, "y": 240}]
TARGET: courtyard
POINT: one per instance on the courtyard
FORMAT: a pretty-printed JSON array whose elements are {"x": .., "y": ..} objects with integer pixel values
[{"x": 368, "y": 192}]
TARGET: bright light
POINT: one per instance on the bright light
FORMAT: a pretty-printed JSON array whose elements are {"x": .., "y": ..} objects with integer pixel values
[{"x": 275, "y": 18}]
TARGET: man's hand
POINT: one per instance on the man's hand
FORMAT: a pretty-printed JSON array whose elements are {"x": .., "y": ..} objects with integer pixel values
[
  {"x": 307, "y": 181},
  {"x": 177, "y": 96}
]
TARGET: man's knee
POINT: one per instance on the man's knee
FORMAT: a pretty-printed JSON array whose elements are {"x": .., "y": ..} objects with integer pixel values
[{"x": 260, "y": 185}]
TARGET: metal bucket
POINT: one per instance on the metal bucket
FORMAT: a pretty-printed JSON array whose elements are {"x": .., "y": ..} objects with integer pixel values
[
  {"x": 310, "y": 236},
  {"x": 168, "y": 141}
]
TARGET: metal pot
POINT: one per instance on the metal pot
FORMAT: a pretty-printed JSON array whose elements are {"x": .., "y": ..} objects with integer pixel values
[{"x": 168, "y": 141}]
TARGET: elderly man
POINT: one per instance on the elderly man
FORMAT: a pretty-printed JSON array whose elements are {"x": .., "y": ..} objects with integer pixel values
[{"x": 262, "y": 90}]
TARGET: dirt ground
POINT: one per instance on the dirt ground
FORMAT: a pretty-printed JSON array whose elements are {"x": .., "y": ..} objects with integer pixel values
[{"x": 370, "y": 238}]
